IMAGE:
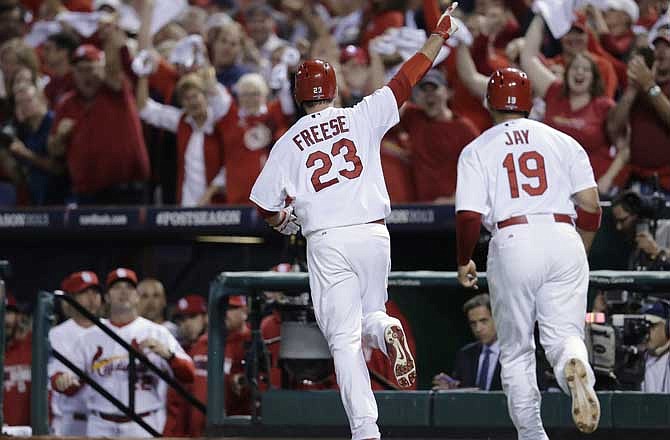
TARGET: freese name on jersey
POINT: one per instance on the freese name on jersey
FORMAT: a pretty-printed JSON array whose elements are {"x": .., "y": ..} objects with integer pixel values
[{"x": 329, "y": 164}]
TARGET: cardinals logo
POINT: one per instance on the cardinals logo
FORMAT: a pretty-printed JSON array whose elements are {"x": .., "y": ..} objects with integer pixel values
[{"x": 257, "y": 137}]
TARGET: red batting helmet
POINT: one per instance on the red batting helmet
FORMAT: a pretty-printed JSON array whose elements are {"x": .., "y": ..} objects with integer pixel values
[
  {"x": 509, "y": 90},
  {"x": 315, "y": 81}
]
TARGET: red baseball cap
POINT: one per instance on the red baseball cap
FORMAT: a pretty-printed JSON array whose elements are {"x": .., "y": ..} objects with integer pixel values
[
  {"x": 121, "y": 274},
  {"x": 352, "y": 52},
  {"x": 191, "y": 305},
  {"x": 87, "y": 52},
  {"x": 237, "y": 301},
  {"x": 80, "y": 281}
]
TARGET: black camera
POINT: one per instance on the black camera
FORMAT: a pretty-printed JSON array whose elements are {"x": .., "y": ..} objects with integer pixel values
[{"x": 616, "y": 351}]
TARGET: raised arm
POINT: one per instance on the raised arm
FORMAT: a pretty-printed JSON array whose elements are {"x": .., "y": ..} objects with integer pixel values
[
  {"x": 115, "y": 39},
  {"x": 416, "y": 67},
  {"x": 540, "y": 75},
  {"x": 467, "y": 72}
]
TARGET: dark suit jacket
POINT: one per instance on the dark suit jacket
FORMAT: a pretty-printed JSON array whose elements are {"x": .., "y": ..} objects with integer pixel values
[{"x": 465, "y": 369}]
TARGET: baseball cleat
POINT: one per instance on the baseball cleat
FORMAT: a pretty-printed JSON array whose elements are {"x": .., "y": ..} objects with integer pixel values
[
  {"x": 585, "y": 404},
  {"x": 401, "y": 358}
]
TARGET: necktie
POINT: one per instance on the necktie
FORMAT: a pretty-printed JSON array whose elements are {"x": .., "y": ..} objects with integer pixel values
[{"x": 482, "y": 380}]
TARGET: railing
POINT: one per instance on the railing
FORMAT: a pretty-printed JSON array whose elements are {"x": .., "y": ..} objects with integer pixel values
[
  {"x": 42, "y": 348},
  {"x": 253, "y": 283},
  {"x": 4, "y": 268}
]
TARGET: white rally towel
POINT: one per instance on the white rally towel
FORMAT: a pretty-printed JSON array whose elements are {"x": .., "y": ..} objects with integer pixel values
[
  {"x": 40, "y": 31},
  {"x": 559, "y": 14},
  {"x": 85, "y": 23},
  {"x": 165, "y": 11}
]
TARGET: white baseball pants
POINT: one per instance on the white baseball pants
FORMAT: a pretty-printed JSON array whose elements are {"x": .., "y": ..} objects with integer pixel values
[
  {"x": 99, "y": 427},
  {"x": 65, "y": 425},
  {"x": 537, "y": 272},
  {"x": 348, "y": 275}
]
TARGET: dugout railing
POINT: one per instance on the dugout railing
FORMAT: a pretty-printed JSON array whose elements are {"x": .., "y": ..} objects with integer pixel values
[
  {"x": 625, "y": 415},
  {"x": 4, "y": 268},
  {"x": 42, "y": 350}
]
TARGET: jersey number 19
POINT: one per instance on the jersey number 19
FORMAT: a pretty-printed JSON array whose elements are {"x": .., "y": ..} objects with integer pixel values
[{"x": 537, "y": 172}]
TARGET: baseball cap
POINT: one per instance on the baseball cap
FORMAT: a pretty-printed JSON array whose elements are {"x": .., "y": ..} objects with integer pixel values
[
  {"x": 121, "y": 274},
  {"x": 191, "y": 305},
  {"x": 80, "y": 281},
  {"x": 628, "y": 6},
  {"x": 657, "y": 312},
  {"x": 87, "y": 52},
  {"x": 113, "y": 4},
  {"x": 435, "y": 77},
  {"x": 352, "y": 52},
  {"x": 662, "y": 35},
  {"x": 237, "y": 301}
]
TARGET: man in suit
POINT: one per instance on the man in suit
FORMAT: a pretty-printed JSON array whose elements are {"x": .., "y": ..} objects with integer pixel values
[{"x": 477, "y": 364}]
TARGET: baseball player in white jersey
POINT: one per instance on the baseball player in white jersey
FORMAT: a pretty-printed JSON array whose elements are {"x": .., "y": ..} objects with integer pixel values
[
  {"x": 329, "y": 165},
  {"x": 530, "y": 185},
  {"x": 107, "y": 363},
  {"x": 70, "y": 413}
]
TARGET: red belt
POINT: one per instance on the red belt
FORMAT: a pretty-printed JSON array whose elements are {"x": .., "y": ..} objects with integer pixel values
[
  {"x": 523, "y": 220},
  {"x": 119, "y": 418}
]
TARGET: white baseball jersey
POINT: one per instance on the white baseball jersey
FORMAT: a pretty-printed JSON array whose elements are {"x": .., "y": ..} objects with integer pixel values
[
  {"x": 521, "y": 167},
  {"x": 60, "y": 338},
  {"x": 107, "y": 363},
  {"x": 329, "y": 164}
]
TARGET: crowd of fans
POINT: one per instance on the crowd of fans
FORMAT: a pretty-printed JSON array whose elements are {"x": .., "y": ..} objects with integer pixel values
[{"x": 161, "y": 101}]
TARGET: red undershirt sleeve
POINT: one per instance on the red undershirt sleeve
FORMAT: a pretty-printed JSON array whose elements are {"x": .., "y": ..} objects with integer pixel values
[
  {"x": 183, "y": 369},
  {"x": 431, "y": 13},
  {"x": 468, "y": 224},
  {"x": 408, "y": 76}
]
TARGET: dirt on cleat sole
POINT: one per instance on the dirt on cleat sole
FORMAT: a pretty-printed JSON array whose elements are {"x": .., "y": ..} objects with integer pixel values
[{"x": 585, "y": 404}]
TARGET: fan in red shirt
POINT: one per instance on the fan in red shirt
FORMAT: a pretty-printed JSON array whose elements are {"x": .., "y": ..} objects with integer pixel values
[
  {"x": 492, "y": 33},
  {"x": 577, "y": 41},
  {"x": 18, "y": 356},
  {"x": 437, "y": 137},
  {"x": 614, "y": 26},
  {"x": 249, "y": 130},
  {"x": 576, "y": 105},
  {"x": 97, "y": 129},
  {"x": 646, "y": 107}
]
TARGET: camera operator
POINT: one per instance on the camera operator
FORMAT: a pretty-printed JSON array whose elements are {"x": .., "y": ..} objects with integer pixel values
[
  {"x": 657, "y": 357},
  {"x": 637, "y": 217}
]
